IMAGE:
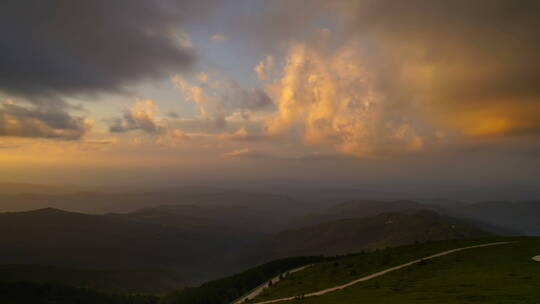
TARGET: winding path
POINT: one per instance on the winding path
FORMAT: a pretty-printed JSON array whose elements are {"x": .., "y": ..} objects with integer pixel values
[
  {"x": 259, "y": 289},
  {"x": 380, "y": 273}
]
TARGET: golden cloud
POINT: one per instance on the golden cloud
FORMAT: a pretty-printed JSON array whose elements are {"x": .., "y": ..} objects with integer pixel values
[{"x": 332, "y": 99}]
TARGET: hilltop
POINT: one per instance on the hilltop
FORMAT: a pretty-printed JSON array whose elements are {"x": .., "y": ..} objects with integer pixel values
[
  {"x": 368, "y": 233},
  {"x": 495, "y": 274}
]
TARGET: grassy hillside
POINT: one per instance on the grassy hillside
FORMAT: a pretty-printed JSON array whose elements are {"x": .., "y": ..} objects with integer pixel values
[
  {"x": 355, "y": 234},
  {"x": 214, "y": 292},
  {"x": 225, "y": 290},
  {"x": 499, "y": 274}
]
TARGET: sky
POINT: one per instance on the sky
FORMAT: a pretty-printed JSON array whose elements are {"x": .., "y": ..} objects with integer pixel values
[{"x": 345, "y": 92}]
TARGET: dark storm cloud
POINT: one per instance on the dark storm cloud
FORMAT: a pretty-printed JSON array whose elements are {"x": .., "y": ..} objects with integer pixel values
[
  {"x": 21, "y": 121},
  {"x": 498, "y": 33},
  {"x": 68, "y": 47},
  {"x": 480, "y": 59},
  {"x": 483, "y": 57}
]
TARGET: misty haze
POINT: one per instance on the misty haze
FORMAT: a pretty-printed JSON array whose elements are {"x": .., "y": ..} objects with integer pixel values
[{"x": 252, "y": 151}]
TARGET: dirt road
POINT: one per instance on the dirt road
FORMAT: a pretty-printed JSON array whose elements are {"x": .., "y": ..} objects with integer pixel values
[
  {"x": 257, "y": 291},
  {"x": 380, "y": 273}
]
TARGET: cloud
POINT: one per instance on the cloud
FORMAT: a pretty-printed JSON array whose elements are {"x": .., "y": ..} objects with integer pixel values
[
  {"x": 8, "y": 146},
  {"x": 207, "y": 105},
  {"x": 240, "y": 135},
  {"x": 173, "y": 115},
  {"x": 473, "y": 65},
  {"x": 203, "y": 77},
  {"x": 330, "y": 98},
  {"x": 172, "y": 138},
  {"x": 245, "y": 153},
  {"x": 399, "y": 77},
  {"x": 469, "y": 66},
  {"x": 32, "y": 121},
  {"x": 218, "y": 37},
  {"x": 236, "y": 153},
  {"x": 142, "y": 116},
  {"x": 218, "y": 102},
  {"x": 254, "y": 99},
  {"x": 71, "y": 47},
  {"x": 106, "y": 141},
  {"x": 178, "y": 134},
  {"x": 264, "y": 68}
]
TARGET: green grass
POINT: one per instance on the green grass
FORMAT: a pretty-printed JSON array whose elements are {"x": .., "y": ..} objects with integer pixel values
[
  {"x": 225, "y": 290},
  {"x": 500, "y": 274}
]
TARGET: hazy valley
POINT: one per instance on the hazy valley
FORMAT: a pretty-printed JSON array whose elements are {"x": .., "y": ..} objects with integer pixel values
[{"x": 203, "y": 234}]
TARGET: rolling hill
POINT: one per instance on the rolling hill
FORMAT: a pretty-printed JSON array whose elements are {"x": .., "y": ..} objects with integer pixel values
[
  {"x": 36, "y": 293},
  {"x": 77, "y": 240},
  {"x": 27, "y": 198},
  {"x": 355, "y": 234},
  {"x": 200, "y": 239},
  {"x": 197, "y": 237},
  {"x": 110, "y": 281},
  {"x": 496, "y": 274},
  {"x": 357, "y": 209},
  {"x": 521, "y": 216}
]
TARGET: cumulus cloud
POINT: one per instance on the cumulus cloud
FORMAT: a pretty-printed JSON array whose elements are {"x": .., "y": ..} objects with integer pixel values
[
  {"x": 142, "y": 116},
  {"x": 265, "y": 68},
  {"x": 215, "y": 103},
  {"x": 331, "y": 98},
  {"x": 33, "y": 121},
  {"x": 209, "y": 106},
  {"x": 398, "y": 77},
  {"x": 469, "y": 66}
]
